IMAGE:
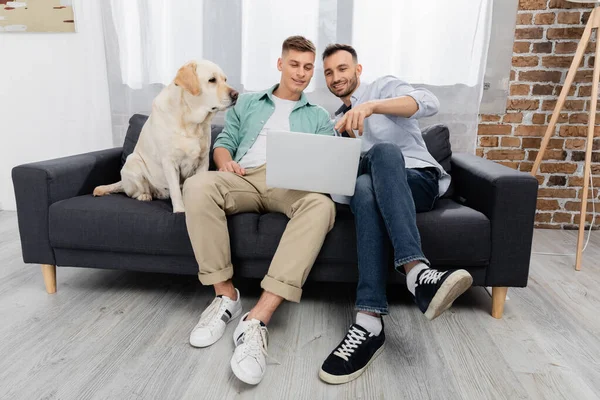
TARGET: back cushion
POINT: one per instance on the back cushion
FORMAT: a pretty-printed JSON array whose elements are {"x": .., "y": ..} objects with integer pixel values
[
  {"x": 437, "y": 140},
  {"x": 214, "y": 132},
  {"x": 136, "y": 123}
]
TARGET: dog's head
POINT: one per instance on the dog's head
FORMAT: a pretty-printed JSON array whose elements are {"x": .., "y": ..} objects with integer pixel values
[{"x": 207, "y": 84}]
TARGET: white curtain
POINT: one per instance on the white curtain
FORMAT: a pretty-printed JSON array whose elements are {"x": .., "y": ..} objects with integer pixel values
[
  {"x": 156, "y": 38},
  {"x": 264, "y": 30},
  {"x": 429, "y": 42},
  {"x": 439, "y": 44}
]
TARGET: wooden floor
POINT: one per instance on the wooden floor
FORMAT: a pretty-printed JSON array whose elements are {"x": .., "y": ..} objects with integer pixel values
[{"x": 118, "y": 335}]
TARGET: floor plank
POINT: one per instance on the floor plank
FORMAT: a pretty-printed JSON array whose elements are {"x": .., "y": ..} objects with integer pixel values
[{"x": 122, "y": 335}]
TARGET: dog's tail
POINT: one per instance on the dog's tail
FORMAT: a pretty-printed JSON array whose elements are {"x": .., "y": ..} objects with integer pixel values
[{"x": 108, "y": 189}]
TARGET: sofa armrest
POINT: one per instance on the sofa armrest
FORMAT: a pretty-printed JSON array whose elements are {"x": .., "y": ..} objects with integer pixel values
[
  {"x": 508, "y": 198},
  {"x": 39, "y": 185}
]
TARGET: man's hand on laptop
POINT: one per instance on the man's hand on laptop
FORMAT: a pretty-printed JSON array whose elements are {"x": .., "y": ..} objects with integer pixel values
[
  {"x": 354, "y": 119},
  {"x": 232, "y": 166}
]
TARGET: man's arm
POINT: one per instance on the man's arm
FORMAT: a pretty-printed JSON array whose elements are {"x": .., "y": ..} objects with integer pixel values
[
  {"x": 404, "y": 106},
  {"x": 225, "y": 163},
  {"x": 427, "y": 104},
  {"x": 396, "y": 98},
  {"x": 325, "y": 124},
  {"x": 227, "y": 143}
]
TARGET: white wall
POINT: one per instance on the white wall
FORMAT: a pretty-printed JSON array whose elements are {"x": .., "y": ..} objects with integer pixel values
[{"x": 53, "y": 95}]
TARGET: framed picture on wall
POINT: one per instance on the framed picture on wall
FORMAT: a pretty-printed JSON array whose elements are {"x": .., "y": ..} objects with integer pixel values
[{"x": 37, "y": 16}]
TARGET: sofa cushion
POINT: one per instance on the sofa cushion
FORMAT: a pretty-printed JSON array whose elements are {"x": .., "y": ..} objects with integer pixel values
[
  {"x": 437, "y": 140},
  {"x": 136, "y": 123},
  {"x": 118, "y": 223},
  {"x": 436, "y": 137},
  {"x": 214, "y": 132},
  {"x": 452, "y": 234}
]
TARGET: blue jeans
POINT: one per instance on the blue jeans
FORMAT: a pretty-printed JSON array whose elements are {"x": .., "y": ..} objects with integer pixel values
[{"x": 386, "y": 199}]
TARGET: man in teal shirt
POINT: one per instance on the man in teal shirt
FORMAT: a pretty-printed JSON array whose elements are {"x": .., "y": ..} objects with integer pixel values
[{"x": 240, "y": 186}]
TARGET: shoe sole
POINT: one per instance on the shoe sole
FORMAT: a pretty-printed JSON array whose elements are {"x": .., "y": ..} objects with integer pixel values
[
  {"x": 454, "y": 286},
  {"x": 339, "y": 379},
  {"x": 215, "y": 340},
  {"x": 241, "y": 375}
]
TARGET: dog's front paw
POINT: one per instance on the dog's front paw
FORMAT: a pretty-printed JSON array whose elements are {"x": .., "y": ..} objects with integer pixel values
[
  {"x": 144, "y": 197},
  {"x": 178, "y": 209}
]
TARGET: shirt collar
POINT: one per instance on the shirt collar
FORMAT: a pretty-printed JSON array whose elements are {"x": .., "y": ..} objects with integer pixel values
[
  {"x": 358, "y": 92},
  {"x": 343, "y": 109},
  {"x": 300, "y": 103}
]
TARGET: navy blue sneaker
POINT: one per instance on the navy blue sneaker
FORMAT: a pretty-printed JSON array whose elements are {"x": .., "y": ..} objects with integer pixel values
[
  {"x": 436, "y": 290},
  {"x": 352, "y": 356}
]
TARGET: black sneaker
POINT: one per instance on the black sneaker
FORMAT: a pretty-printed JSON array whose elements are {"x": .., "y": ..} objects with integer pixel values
[
  {"x": 436, "y": 290},
  {"x": 352, "y": 356}
]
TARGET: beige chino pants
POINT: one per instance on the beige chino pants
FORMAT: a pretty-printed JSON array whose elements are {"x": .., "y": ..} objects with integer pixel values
[{"x": 210, "y": 196}]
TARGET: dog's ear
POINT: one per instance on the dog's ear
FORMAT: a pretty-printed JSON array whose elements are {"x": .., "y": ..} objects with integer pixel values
[{"x": 187, "y": 78}]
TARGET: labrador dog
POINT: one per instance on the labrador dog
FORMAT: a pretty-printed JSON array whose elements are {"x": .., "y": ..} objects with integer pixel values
[{"x": 175, "y": 141}]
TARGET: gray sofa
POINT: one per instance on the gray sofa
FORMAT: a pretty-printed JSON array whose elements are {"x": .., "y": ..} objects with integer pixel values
[{"x": 484, "y": 224}]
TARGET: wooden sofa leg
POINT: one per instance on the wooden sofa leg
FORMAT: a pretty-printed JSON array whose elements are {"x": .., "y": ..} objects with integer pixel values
[
  {"x": 49, "y": 273},
  {"x": 498, "y": 299}
]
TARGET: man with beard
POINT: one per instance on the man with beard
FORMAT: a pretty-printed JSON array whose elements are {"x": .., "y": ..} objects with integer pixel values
[{"x": 397, "y": 178}]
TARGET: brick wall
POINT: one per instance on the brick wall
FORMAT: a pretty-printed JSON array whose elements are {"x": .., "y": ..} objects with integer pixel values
[{"x": 546, "y": 37}]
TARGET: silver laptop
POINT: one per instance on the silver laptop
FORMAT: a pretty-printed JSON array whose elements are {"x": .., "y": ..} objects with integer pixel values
[{"x": 314, "y": 163}]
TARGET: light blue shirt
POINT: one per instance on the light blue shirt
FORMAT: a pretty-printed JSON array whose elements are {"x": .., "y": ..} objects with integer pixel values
[{"x": 404, "y": 132}]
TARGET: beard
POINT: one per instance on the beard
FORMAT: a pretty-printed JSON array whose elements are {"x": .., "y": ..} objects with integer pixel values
[{"x": 352, "y": 83}]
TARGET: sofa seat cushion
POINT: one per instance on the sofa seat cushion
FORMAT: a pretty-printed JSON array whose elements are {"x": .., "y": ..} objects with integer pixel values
[
  {"x": 451, "y": 234},
  {"x": 455, "y": 235},
  {"x": 118, "y": 223}
]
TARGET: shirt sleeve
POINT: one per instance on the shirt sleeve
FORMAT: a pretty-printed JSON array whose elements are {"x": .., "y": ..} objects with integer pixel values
[
  {"x": 229, "y": 138},
  {"x": 428, "y": 104},
  {"x": 325, "y": 126}
]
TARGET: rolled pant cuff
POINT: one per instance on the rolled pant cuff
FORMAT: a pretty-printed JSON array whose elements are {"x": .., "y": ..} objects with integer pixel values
[
  {"x": 288, "y": 292},
  {"x": 399, "y": 264},
  {"x": 219, "y": 276},
  {"x": 376, "y": 310}
]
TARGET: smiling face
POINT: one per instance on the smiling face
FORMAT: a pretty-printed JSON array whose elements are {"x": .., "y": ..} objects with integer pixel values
[
  {"x": 342, "y": 73},
  {"x": 297, "y": 69},
  {"x": 206, "y": 82}
]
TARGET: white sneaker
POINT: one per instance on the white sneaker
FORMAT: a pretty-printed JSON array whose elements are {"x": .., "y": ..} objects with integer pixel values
[
  {"x": 249, "y": 358},
  {"x": 214, "y": 319}
]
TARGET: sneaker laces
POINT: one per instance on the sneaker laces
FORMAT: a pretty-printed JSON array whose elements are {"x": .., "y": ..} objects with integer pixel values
[
  {"x": 255, "y": 342},
  {"x": 354, "y": 338},
  {"x": 430, "y": 276},
  {"x": 209, "y": 317}
]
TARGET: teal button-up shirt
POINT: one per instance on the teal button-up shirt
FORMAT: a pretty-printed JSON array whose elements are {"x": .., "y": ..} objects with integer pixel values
[{"x": 245, "y": 120}]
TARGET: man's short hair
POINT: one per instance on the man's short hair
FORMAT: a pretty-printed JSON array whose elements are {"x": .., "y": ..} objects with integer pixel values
[
  {"x": 334, "y": 48},
  {"x": 298, "y": 43}
]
